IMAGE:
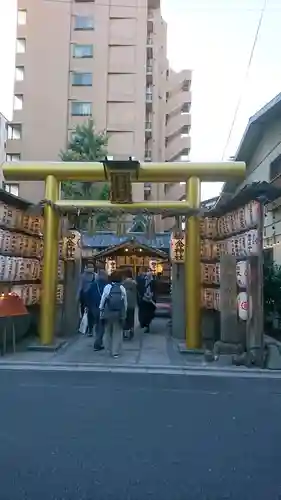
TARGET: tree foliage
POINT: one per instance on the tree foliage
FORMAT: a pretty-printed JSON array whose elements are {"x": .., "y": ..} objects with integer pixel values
[
  {"x": 86, "y": 144},
  {"x": 272, "y": 288}
]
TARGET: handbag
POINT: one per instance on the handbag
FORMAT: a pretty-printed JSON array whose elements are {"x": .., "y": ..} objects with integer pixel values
[{"x": 84, "y": 323}]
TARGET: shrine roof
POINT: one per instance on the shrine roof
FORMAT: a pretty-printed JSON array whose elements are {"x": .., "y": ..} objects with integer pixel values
[
  {"x": 263, "y": 192},
  {"x": 14, "y": 201},
  {"x": 106, "y": 239}
]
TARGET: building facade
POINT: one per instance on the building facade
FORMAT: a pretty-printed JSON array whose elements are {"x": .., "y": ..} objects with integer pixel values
[
  {"x": 260, "y": 148},
  {"x": 77, "y": 59},
  {"x": 3, "y": 143}
]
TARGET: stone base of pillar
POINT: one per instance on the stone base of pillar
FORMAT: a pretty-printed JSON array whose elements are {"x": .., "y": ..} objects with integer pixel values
[
  {"x": 221, "y": 347},
  {"x": 55, "y": 346}
]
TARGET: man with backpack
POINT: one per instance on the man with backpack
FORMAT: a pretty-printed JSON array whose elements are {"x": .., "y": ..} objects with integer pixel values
[
  {"x": 113, "y": 310},
  {"x": 93, "y": 298}
]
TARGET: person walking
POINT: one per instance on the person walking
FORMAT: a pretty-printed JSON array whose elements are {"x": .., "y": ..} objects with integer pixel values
[
  {"x": 86, "y": 279},
  {"x": 131, "y": 290},
  {"x": 113, "y": 310},
  {"x": 93, "y": 298},
  {"x": 146, "y": 300}
]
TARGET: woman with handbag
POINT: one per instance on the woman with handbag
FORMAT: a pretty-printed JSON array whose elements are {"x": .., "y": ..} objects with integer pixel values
[{"x": 146, "y": 300}]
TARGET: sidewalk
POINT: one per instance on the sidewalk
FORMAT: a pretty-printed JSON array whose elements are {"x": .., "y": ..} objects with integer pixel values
[{"x": 156, "y": 352}]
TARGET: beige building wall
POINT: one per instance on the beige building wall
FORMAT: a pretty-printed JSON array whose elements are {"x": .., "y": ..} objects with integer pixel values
[{"x": 80, "y": 59}]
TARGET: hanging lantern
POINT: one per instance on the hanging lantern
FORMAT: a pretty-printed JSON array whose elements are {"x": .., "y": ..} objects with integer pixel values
[
  {"x": 243, "y": 306},
  {"x": 241, "y": 274}
]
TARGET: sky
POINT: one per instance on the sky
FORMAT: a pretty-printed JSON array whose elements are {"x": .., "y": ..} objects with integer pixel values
[{"x": 214, "y": 38}]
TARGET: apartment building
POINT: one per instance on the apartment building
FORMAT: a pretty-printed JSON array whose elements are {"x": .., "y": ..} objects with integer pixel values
[
  {"x": 3, "y": 143},
  {"x": 104, "y": 59}
]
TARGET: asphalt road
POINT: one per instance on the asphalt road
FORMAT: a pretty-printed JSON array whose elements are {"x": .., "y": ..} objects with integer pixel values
[{"x": 98, "y": 436}]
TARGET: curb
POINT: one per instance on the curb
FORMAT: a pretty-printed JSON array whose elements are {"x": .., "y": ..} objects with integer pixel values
[{"x": 190, "y": 370}]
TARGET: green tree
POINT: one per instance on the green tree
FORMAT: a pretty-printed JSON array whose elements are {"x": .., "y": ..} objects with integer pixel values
[{"x": 89, "y": 145}]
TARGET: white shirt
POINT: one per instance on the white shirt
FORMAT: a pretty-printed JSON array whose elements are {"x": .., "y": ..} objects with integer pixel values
[{"x": 106, "y": 292}]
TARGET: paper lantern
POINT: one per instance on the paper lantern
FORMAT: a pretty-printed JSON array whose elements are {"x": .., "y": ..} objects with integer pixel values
[
  {"x": 242, "y": 245},
  {"x": 217, "y": 272},
  {"x": 208, "y": 298},
  {"x": 243, "y": 306},
  {"x": 241, "y": 274},
  {"x": 207, "y": 273},
  {"x": 216, "y": 296},
  {"x": 26, "y": 223},
  {"x": 209, "y": 227},
  {"x": 206, "y": 247},
  {"x": 252, "y": 242},
  {"x": 18, "y": 217}
]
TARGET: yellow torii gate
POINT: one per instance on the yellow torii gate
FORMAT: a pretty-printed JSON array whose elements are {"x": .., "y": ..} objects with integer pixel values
[{"x": 55, "y": 172}]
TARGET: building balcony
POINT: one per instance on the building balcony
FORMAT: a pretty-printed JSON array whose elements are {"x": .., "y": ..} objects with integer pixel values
[
  {"x": 13, "y": 146},
  {"x": 153, "y": 4},
  {"x": 148, "y": 155},
  {"x": 178, "y": 102},
  {"x": 149, "y": 47},
  {"x": 148, "y": 128},
  {"x": 176, "y": 147},
  {"x": 180, "y": 81},
  {"x": 150, "y": 19},
  {"x": 178, "y": 122},
  {"x": 148, "y": 97},
  {"x": 175, "y": 192},
  {"x": 149, "y": 73}
]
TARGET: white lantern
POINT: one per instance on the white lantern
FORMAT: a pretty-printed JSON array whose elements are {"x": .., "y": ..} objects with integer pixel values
[
  {"x": 241, "y": 274},
  {"x": 243, "y": 306},
  {"x": 252, "y": 242},
  {"x": 255, "y": 212}
]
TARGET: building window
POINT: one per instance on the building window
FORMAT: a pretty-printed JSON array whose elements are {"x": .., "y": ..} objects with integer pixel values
[
  {"x": 185, "y": 131},
  {"x": 12, "y": 188},
  {"x": 186, "y": 108},
  {"x": 14, "y": 131},
  {"x": 81, "y": 109},
  {"x": 19, "y": 73},
  {"x": 82, "y": 50},
  {"x": 83, "y": 23},
  {"x": 13, "y": 157},
  {"x": 83, "y": 79},
  {"x": 21, "y": 16},
  {"x": 18, "y": 102},
  {"x": 20, "y": 45},
  {"x": 275, "y": 168}
]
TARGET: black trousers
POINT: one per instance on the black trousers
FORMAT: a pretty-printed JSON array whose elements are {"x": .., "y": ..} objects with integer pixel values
[{"x": 130, "y": 319}]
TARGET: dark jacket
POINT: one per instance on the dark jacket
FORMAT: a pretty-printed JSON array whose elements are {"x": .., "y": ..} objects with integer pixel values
[
  {"x": 94, "y": 294},
  {"x": 142, "y": 283},
  {"x": 86, "y": 279}
]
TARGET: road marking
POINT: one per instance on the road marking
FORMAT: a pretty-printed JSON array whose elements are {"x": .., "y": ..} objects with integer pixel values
[{"x": 40, "y": 386}]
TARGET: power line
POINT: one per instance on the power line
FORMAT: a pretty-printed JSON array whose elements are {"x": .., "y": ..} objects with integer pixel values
[{"x": 245, "y": 79}]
